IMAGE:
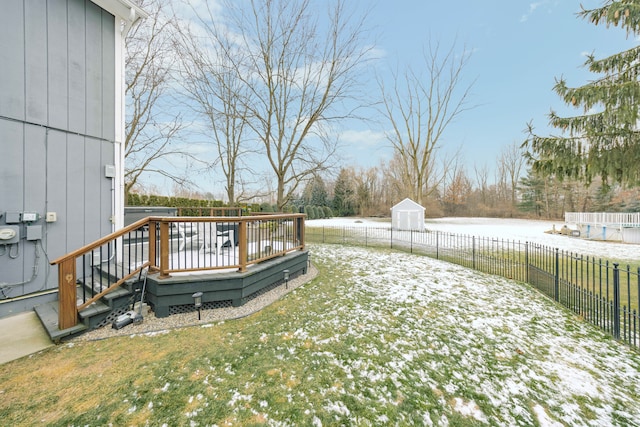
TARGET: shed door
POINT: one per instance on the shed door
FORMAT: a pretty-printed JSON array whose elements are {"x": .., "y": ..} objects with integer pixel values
[
  {"x": 403, "y": 220},
  {"x": 414, "y": 222}
]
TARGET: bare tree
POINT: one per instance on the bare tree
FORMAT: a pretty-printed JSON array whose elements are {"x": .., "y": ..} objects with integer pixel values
[
  {"x": 482, "y": 181},
  {"x": 302, "y": 74},
  {"x": 367, "y": 191},
  {"x": 456, "y": 193},
  {"x": 420, "y": 108},
  {"x": 220, "y": 98},
  {"x": 395, "y": 171},
  {"x": 152, "y": 126},
  {"x": 510, "y": 165}
]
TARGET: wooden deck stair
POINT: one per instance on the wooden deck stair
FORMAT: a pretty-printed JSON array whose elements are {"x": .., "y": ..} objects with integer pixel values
[{"x": 98, "y": 314}]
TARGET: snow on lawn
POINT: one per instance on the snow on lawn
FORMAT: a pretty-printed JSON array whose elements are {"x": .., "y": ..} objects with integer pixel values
[
  {"x": 512, "y": 229},
  {"x": 432, "y": 343}
]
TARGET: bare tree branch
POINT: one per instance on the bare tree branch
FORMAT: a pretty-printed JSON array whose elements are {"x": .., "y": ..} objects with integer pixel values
[
  {"x": 152, "y": 128},
  {"x": 299, "y": 76},
  {"x": 419, "y": 108}
]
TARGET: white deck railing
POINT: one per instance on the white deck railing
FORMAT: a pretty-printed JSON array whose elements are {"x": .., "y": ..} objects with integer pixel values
[{"x": 619, "y": 219}]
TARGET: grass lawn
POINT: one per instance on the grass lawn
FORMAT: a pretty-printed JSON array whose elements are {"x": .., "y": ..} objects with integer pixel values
[{"x": 378, "y": 338}]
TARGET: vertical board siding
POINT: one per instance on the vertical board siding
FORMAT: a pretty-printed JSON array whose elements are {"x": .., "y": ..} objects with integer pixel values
[
  {"x": 58, "y": 85},
  {"x": 76, "y": 58},
  {"x": 12, "y": 178},
  {"x": 76, "y": 203},
  {"x": 12, "y": 53},
  {"x": 35, "y": 41},
  {"x": 93, "y": 64},
  {"x": 34, "y": 168},
  {"x": 11, "y": 172},
  {"x": 57, "y": 125},
  {"x": 108, "y": 77},
  {"x": 92, "y": 188},
  {"x": 57, "y": 195}
]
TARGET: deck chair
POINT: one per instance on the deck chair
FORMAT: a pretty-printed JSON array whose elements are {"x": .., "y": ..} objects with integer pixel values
[
  {"x": 202, "y": 238},
  {"x": 225, "y": 239}
]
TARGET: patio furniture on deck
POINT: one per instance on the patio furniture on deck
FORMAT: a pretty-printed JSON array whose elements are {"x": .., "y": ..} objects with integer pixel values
[{"x": 205, "y": 239}]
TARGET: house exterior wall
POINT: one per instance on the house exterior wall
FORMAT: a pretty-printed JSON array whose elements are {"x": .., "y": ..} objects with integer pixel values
[{"x": 57, "y": 132}]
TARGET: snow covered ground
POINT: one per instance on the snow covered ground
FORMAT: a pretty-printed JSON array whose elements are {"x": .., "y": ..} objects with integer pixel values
[
  {"x": 481, "y": 348},
  {"x": 513, "y": 229}
]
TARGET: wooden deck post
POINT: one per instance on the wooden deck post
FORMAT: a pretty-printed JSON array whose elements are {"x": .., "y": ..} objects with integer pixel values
[
  {"x": 153, "y": 232},
  {"x": 243, "y": 243},
  {"x": 301, "y": 232},
  {"x": 67, "y": 308},
  {"x": 164, "y": 249}
]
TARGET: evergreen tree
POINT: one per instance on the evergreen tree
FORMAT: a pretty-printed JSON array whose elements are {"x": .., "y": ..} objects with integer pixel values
[
  {"x": 315, "y": 192},
  {"x": 319, "y": 195},
  {"x": 606, "y": 142},
  {"x": 603, "y": 199},
  {"x": 532, "y": 188},
  {"x": 344, "y": 194}
]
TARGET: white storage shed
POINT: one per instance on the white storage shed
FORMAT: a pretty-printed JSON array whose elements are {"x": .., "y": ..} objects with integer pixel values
[{"x": 407, "y": 215}]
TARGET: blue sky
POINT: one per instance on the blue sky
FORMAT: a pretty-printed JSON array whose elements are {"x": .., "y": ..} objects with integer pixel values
[{"x": 518, "y": 49}]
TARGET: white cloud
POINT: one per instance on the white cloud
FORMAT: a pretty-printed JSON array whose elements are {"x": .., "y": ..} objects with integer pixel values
[
  {"x": 366, "y": 138},
  {"x": 532, "y": 9}
]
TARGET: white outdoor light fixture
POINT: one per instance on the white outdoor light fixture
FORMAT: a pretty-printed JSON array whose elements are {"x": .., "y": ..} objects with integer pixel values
[{"x": 197, "y": 301}]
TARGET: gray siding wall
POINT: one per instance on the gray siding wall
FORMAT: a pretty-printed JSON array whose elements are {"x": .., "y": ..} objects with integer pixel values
[{"x": 57, "y": 126}]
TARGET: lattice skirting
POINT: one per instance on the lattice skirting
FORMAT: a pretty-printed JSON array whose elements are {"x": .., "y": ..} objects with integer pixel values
[{"x": 189, "y": 308}]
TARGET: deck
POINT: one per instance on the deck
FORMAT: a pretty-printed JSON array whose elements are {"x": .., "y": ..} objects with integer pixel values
[
  {"x": 225, "y": 258},
  {"x": 607, "y": 226}
]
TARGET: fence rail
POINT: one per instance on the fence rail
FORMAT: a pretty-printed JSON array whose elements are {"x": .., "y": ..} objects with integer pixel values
[
  {"x": 601, "y": 292},
  {"x": 618, "y": 219}
]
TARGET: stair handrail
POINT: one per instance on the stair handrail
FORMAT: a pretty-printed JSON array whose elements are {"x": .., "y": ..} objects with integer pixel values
[
  {"x": 106, "y": 239},
  {"x": 67, "y": 276}
]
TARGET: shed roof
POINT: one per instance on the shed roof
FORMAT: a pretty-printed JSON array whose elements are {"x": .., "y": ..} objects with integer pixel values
[{"x": 407, "y": 204}]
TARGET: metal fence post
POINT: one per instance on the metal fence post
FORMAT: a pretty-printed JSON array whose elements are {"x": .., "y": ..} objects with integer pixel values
[
  {"x": 473, "y": 253},
  {"x": 411, "y": 239},
  {"x": 391, "y": 239},
  {"x": 616, "y": 301},
  {"x": 437, "y": 245},
  {"x": 556, "y": 291},
  {"x": 526, "y": 262}
]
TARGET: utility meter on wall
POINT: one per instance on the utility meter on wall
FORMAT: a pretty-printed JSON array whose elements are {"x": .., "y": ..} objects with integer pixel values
[{"x": 9, "y": 234}]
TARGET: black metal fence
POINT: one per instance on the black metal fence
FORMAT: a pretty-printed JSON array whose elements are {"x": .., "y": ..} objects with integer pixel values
[{"x": 601, "y": 292}]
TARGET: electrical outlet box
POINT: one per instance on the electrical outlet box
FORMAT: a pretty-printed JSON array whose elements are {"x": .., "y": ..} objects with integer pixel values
[
  {"x": 34, "y": 232},
  {"x": 29, "y": 216},
  {"x": 51, "y": 217},
  {"x": 12, "y": 217},
  {"x": 110, "y": 171}
]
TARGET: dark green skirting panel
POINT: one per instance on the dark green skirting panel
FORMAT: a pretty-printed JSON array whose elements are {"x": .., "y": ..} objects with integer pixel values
[{"x": 162, "y": 294}]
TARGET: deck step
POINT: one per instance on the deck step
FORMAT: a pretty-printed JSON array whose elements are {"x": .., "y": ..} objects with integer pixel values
[
  {"x": 48, "y": 315},
  {"x": 111, "y": 298},
  {"x": 95, "y": 309}
]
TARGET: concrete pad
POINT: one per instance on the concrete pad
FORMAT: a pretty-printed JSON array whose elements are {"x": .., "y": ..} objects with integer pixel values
[{"x": 21, "y": 335}]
